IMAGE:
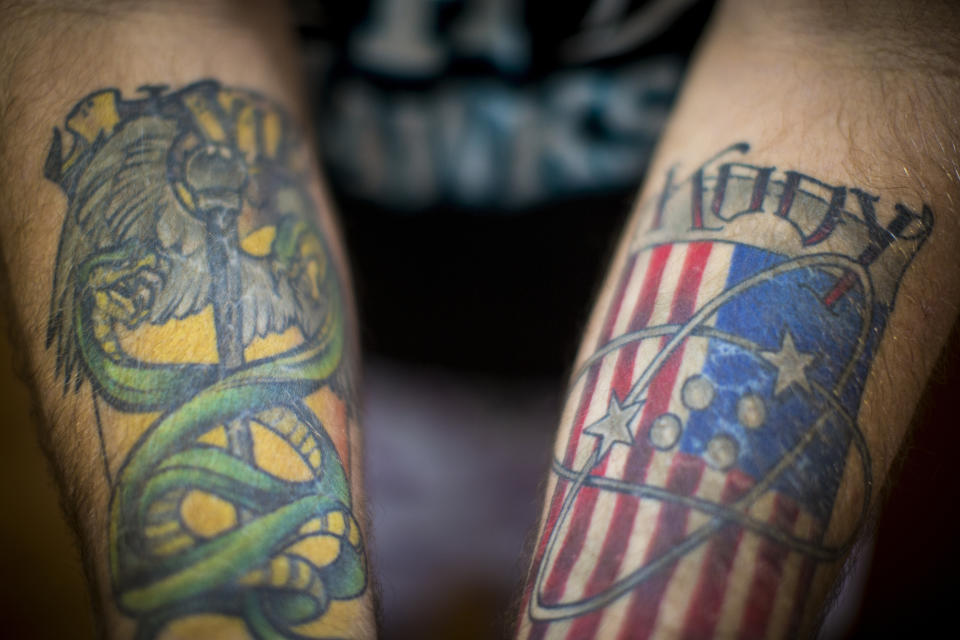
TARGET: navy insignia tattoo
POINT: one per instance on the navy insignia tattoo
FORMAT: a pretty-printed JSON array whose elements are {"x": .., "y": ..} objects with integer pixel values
[{"x": 197, "y": 298}]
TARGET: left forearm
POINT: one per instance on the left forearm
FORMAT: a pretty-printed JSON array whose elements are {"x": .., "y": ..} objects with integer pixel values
[{"x": 180, "y": 292}]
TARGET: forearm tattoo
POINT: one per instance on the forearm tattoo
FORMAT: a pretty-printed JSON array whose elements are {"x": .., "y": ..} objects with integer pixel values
[
  {"x": 195, "y": 299},
  {"x": 716, "y": 420}
]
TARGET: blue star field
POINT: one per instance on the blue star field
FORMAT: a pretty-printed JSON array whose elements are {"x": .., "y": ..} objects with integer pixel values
[{"x": 789, "y": 302}]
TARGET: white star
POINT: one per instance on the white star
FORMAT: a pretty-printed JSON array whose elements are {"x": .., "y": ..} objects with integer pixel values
[
  {"x": 613, "y": 427},
  {"x": 791, "y": 364}
]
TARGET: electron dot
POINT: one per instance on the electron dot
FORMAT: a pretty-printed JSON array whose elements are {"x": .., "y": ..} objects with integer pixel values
[
  {"x": 722, "y": 452},
  {"x": 697, "y": 392},
  {"x": 665, "y": 431},
  {"x": 751, "y": 411}
]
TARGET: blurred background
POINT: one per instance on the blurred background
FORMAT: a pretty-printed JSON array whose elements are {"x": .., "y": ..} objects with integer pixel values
[{"x": 483, "y": 155}]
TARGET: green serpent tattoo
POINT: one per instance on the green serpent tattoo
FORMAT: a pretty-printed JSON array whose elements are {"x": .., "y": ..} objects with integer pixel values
[{"x": 165, "y": 193}]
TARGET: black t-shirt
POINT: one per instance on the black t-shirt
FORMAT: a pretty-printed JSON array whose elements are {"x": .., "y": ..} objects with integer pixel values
[{"x": 483, "y": 155}]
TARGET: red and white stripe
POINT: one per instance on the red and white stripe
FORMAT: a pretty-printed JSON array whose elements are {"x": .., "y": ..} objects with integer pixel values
[
  {"x": 583, "y": 391},
  {"x": 598, "y": 510},
  {"x": 691, "y": 595}
]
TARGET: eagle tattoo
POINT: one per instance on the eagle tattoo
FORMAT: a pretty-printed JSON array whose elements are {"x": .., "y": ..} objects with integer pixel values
[{"x": 181, "y": 203}]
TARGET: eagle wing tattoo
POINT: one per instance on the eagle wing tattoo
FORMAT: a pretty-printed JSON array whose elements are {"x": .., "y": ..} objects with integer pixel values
[{"x": 125, "y": 195}]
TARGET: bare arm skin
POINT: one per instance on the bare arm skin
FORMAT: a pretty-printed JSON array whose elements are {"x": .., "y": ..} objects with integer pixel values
[
  {"x": 765, "y": 332},
  {"x": 182, "y": 300}
]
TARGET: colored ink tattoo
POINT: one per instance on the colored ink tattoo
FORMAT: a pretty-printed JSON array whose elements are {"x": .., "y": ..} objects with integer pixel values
[
  {"x": 716, "y": 421},
  {"x": 196, "y": 299}
]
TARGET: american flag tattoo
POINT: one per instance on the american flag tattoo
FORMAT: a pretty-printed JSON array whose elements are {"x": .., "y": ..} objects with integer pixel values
[{"x": 716, "y": 420}]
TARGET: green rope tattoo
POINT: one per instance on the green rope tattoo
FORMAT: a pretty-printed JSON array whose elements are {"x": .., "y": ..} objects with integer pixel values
[{"x": 158, "y": 188}]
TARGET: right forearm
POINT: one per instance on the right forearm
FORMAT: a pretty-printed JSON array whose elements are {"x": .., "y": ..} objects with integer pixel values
[{"x": 759, "y": 346}]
